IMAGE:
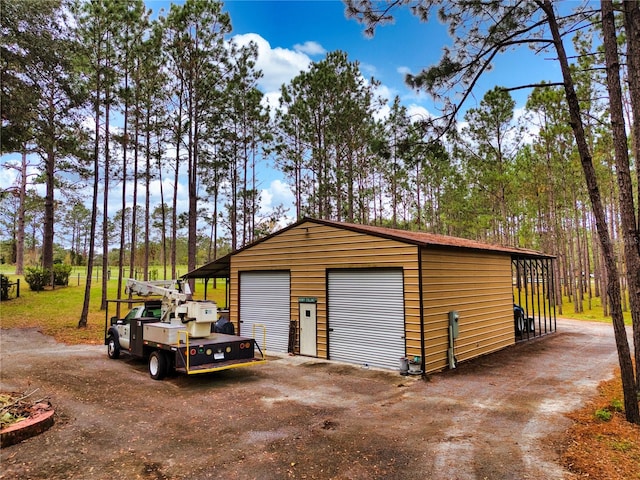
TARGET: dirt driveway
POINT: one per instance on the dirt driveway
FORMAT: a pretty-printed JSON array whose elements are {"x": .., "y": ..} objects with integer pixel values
[{"x": 498, "y": 417}]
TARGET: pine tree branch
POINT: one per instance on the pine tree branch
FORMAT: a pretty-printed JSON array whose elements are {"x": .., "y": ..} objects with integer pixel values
[{"x": 532, "y": 85}]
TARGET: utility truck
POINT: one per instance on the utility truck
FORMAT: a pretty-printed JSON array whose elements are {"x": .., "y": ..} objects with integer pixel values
[{"x": 175, "y": 333}]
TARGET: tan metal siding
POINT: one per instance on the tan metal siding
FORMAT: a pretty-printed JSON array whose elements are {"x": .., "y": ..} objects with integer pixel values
[
  {"x": 478, "y": 286},
  {"x": 310, "y": 249}
]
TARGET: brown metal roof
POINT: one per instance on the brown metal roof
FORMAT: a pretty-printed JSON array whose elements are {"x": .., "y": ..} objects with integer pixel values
[
  {"x": 220, "y": 268},
  {"x": 431, "y": 239}
]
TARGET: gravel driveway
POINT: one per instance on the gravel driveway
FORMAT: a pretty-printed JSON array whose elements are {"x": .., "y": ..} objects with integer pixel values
[{"x": 497, "y": 417}]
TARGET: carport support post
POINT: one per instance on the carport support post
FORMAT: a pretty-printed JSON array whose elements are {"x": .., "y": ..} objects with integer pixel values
[{"x": 423, "y": 355}]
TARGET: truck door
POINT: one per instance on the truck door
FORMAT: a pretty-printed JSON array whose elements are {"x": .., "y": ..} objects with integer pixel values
[{"x": 124, "y": 328}]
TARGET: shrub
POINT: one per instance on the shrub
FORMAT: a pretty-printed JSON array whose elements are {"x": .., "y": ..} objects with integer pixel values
[
  {"x": 37, "y": 278},
  {"x": 61, "y": 274},
  {"x": 4, "y": 287},
  {"x": 603, "y": 414},
  {"x": 617, "y": 405}
]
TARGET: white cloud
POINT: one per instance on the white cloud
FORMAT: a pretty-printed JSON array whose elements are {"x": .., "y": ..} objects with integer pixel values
[
  {"x": 519, "y": 112},
  {"x": 418, "y": 113},
  {"x": 278, "y": 193},
  {"x": 415, "y": 111},
  {"x": 10, "y": 173},
  {"x": 278, "y": 65},
  {"x": 167, "y": 190},
  {"x": 368, "y": 69},
  {"x": 8, "y": 176},
  {"x": 382, "y": 113},
  {"x": 461, "y": 125},
  {"x": 385, "y": 92},
  {"x": 310, "y": 48},
  {"x": 271, "y": 99},
  {"x": 115, "y": 194},
  {"x": 531, "y": 130}
]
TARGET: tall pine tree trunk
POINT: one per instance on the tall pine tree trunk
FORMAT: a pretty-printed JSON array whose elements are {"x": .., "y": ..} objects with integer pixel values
[
  {"x": 630, "y": 235},
  {"x": 123, "y": 217},
  {"x": 22, "y": 195},
  {"x": 632, "y": 28},
  {"x": 47, "y": 241},
  {"x": 105, "y": 204},
  {"x": 134, "y": 178},
  {"x": 147, "y": 181},
  {"x": 82, "y": 323}
]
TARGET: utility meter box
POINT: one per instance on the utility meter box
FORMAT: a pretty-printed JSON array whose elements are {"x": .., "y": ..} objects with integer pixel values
[{"x": 453, "y": 323}]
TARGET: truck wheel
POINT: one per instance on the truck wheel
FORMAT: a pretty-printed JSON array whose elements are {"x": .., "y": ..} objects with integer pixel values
[
  {"x": 157, "y": 365},
  {"x": 519, "y": 324},
  {"x": 113, "y": 347}
]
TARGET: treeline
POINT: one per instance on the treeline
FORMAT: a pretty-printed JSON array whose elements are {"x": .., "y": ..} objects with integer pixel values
[{"x": 110, "y": 96}]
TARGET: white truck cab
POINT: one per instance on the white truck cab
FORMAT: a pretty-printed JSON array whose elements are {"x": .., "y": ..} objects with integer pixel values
[{"x": 150, "y": 310}]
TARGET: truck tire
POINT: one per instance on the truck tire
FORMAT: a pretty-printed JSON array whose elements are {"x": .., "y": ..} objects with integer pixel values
[
  {"x": 113, "y": 347},
  {"x": 157, "y": 365},
  {"x": 519, "y": 324}
]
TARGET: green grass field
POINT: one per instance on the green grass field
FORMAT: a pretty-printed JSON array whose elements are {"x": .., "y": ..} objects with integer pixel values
[
  {"x": 56, "y": 312},
  {"x": 594, "y": 314},
  {"x": 590, "y": 311}
]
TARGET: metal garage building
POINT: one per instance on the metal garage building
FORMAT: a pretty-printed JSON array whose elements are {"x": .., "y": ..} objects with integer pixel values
[{"x": 372, "y": 295}]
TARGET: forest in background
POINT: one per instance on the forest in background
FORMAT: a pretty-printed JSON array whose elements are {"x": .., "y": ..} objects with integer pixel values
[
  {"x": 190, "y": 113},
  {"x": 102, "y": 97}
]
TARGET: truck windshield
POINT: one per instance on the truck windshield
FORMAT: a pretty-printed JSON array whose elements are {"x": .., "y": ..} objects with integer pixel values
[
  {"x": 152, "y": 312},
  {"x": 132, "y": 314}
]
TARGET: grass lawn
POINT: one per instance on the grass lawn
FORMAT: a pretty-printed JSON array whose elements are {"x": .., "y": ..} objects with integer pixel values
[
  {"x": 593, "y": 314},
  {"x": 56, "y": 312}
]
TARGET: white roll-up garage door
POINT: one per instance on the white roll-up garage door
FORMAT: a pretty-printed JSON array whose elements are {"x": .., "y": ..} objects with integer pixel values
[
  {"x": 265, "y": 299},
  {"x": 366, "y": 316}
]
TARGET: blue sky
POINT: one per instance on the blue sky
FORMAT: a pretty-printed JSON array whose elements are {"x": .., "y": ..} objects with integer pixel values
[
  {"x": 408, "y": 45},
  {"x": 291, "y": 34}
]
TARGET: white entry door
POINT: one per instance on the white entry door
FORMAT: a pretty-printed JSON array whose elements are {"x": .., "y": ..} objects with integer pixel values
[{"x": 308, "y": 329}]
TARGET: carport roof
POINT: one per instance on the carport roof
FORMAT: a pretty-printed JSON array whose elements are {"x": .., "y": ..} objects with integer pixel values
[{"x": 220, "y": 268}]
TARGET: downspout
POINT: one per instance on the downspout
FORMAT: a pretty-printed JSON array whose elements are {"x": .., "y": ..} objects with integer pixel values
[
  {"x": 553, "y": 290},
  {"x": 423, "y": 366}
]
